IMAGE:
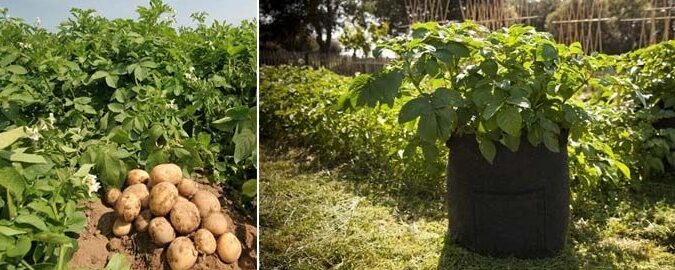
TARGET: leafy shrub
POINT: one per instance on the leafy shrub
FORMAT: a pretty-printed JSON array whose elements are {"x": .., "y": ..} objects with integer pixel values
[
  {"x": 497, "y": 86},
  {"x": 299, "y": 107},
  {"x": 103, "y": 96},
  {"x": 652, "y": 71}
]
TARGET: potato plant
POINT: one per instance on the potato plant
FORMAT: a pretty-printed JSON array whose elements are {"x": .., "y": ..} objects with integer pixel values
[
  {"x": 496, "y": 86},
  {"x": 101, "y": 97}
]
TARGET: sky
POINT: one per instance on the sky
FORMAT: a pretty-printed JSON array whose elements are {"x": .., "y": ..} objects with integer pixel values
[{"x": 52, "y": 12}]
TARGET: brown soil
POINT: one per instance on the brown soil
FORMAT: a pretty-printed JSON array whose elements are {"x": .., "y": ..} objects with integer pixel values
[{"x": 97, "y": 244}]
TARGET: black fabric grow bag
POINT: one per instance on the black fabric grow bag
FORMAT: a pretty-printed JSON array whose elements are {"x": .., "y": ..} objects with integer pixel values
[{"x": 519, "y": 206}]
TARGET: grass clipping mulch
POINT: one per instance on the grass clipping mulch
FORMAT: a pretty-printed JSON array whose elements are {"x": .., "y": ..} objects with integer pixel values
[
  {"x": 318, "y": 219},
  {"x": 160, "y": 224}
]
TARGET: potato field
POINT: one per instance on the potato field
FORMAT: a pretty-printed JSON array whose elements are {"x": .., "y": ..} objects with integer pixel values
[{"x": 125, "y": 141}]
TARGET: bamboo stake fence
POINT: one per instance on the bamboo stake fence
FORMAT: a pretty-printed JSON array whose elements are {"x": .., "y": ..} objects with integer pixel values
[
  {"x": 582, "y": 21},
  {"x": 341, "y": 64}
]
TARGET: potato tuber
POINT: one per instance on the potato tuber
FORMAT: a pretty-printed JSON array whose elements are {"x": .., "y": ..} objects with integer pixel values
[
  {"x": 229, "y": 248},
  {"x": 206, "y": 202},
  {"x": 216, "y": 222},
  {"x": 112, "y": 195},
  {"x": 166, "y": 173},
  {"x": 161, "y": 231},
  {"x": 181, "y": 254},
  {"x": 162, "y": 198},
  {"x": 205, "y": 241},
  {"x": 143, "y": 220},
  {"x": 137, "y": 176},
  {"x": 185, "y": 217},
  {"x": 121, "y": 227},
  {"x": 187, "y": 187},
  {"x": 127, "y": 207},
  {"x": 141, "y": 191}
]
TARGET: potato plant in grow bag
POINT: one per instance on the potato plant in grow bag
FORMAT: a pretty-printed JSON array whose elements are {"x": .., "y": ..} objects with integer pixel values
[{"x": 464, "y": 79}]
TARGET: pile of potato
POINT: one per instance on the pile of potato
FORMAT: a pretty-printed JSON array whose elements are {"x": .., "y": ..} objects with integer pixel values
[{"x": 165, "y": 204}]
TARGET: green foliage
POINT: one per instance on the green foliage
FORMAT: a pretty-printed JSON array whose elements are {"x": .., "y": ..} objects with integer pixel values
[
  {"x": 103, "y": 96},
  {"x": 652, "y": 71},
  {"x": 298, "y": 107},
  {"x": 497, "y": 85},
  {"x": 118, "y": 262},
  {"x": 39, "y": 210}
]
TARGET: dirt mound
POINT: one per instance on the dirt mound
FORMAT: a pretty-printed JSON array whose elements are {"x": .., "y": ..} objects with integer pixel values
[{"x": 97, "y": 244}]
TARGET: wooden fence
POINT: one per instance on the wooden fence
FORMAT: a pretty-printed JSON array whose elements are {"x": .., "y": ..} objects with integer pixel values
[{"x": 341, "y": 64}]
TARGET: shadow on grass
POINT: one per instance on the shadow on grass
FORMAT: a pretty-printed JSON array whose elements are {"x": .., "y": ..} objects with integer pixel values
[
  {"x": 616, "y": 230},
  {"x": 413, "y": 199},
  {"x": 609, "y": 229}
]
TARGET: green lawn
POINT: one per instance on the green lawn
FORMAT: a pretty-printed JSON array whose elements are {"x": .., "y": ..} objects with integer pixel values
[{"x": 325, "y": 218}]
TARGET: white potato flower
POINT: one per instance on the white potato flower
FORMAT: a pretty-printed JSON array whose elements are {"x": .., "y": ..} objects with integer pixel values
[
  {"x": 172, "y": 105},
  {"x": 52, "y": 119},
  {"x": 93, "y": 185},
  {"x": 33, "y": 133}
]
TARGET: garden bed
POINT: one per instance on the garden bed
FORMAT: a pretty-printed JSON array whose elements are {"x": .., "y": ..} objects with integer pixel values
[{"x": 317, "y": 217}]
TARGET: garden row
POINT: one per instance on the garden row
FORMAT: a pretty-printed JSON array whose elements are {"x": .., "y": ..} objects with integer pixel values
[
  {"x": 99, "y": 97},
  {"x": 615, "y": 107}
]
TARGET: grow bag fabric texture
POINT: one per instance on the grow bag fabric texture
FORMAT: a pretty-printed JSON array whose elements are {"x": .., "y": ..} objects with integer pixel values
[{"x": 517, "y": 206}]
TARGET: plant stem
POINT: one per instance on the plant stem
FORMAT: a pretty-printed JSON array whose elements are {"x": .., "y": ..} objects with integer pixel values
[{"x": 25, "y": 263}]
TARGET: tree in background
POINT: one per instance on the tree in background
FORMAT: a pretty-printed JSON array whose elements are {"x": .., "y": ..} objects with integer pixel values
[
  {"x": 284, "y": 23},
  {"x": 355, "y": 38},
  {"x": 302, "y": 24}
]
